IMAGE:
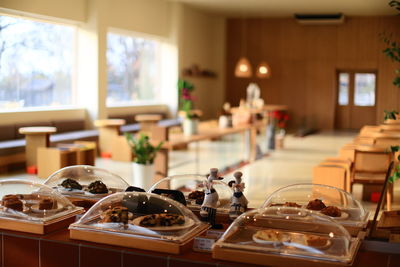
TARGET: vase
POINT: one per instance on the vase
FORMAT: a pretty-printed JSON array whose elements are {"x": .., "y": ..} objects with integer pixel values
[
  {"x": 270, "y": 136},
  {"x": 142, "y": 175},
  {"x": 190, "y": 126}
]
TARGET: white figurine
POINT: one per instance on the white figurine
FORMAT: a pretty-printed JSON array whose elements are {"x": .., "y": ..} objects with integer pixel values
[
  {"x": 209, "y": 207},
  {"x": 238, "y": 201}
]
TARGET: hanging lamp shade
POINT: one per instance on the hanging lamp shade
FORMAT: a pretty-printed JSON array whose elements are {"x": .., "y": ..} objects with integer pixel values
[
  {"x": 243, "y": 68},
  {"x": 263, "y": 70}
]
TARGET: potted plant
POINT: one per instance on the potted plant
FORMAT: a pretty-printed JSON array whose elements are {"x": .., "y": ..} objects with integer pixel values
[
  {"x": 144, "y": 154},
  {"x": 280, "y": 119},
  {"x": 390, "y": 116},
  {"x": 191, "y": 117}
]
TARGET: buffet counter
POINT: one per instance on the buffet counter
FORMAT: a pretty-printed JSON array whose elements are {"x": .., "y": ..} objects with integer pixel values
[{"x": 57, "y": 249}]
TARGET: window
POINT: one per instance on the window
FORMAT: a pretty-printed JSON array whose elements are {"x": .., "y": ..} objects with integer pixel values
[
  {"x": 344, "y": 84},
  {"x": 36, "y": 62},
  {"x": 134, "y": 70},
  {"x": 356, "y": 88},
  {"x": 364, "y": 89}
]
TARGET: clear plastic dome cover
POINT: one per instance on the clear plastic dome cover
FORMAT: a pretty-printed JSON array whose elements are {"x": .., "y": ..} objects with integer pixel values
[
  {"x": 139, "y": 214},
  {"x": 289, "y": 231},
  {"x": 331, "y": 201},
  {"x": 192, "y": 186},
  {"x": 25, "y": 200},
  {"x": 83, "y": 181}
]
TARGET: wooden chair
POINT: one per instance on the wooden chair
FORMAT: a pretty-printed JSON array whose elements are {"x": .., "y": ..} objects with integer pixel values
[
  {"x": 390, "y": 128},
  {"x": 387, "y": 139},
  {"x": 347, "y": 152},
  {"x": 367, "y": 130},
  {"x": 369, "y": 169},
  {"x": 331, "y": 174}
]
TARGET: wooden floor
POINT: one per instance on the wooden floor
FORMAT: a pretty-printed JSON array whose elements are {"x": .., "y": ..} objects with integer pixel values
[{"x": 279, "y": 168}]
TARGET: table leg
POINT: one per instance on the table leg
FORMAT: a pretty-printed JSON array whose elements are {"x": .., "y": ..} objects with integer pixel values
[
  {"x": 161, "y": 165},
  {"x": 33, "y": 142},
  {"x": 106, "y": 136}
]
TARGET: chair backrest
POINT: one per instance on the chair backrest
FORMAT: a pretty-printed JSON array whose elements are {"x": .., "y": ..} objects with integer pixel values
[
  {"x": 330, "y": 174},
  {"x": 371, "y": 159},
  {"x": 367, "y": 130},
  {"x": 347, "y": 152}
]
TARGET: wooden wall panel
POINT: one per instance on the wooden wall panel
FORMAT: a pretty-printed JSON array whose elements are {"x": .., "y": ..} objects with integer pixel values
[{"x": 304, "y": 61}]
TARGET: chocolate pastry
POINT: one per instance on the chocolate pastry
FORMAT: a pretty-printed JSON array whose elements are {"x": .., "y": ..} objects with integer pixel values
[
  {"x": 198, "y": 196},
  {"x": 117, "y": 214},
  {"x": 316, "y": 204},
  {"x": 162, "y": 219},
  {"x": 97, "y": 187},
  {"x": 292, "y": 204},
  {"x": 332, "y": 211},
  {"x": 12, "y": 202},
  {"x": 316, "y": 241},
  {"x": 46, "y": 204},
  {"x": 71, "y": 184}
]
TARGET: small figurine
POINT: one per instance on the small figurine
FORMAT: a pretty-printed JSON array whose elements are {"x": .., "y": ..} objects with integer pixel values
[
  {"x": 209, "y": 207},
  {"x": 238, "y": 201}
]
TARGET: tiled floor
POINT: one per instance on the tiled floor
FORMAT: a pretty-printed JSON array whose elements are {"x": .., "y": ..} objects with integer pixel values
[{"x": 293, "y": 164}]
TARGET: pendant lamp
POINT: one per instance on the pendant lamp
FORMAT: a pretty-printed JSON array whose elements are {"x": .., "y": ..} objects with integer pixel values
[
  {"x": 243, "y": 68},
  {"x": 263, "y": 69}
]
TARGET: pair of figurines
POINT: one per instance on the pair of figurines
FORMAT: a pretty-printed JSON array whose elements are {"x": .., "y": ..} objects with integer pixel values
[{"x": 209, "y": 207}]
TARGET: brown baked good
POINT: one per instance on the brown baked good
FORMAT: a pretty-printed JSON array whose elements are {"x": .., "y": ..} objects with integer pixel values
[
  {"x": 317, "y": 241},
  {"x": 316, "y": 204},
  {"x": 332, "y": 211},
  {"x": 292, "y": 204},
  {"x": 271, "y": 235},
  {"x": 198, "y": 196},
  {"x": 98, "y": 187},
  {"x": 117, "y": 215},
  {"x": 12, "y": 202},
  {"x": 162, "y": 219},
  {"x": 46, "y": 204}
]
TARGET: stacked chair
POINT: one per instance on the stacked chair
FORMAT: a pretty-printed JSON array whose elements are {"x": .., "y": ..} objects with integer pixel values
[{"x": 364, "y": 161}]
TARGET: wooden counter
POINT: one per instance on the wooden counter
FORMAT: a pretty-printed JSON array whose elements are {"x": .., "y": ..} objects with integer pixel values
[{"x": 57, "y": 249}]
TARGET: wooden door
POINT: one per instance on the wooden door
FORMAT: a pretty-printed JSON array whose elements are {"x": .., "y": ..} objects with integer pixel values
[{"x": 356, "y": 99}]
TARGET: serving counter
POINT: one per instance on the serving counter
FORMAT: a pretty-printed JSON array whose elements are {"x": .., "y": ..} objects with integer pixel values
[{"x": 57, "y": 249}]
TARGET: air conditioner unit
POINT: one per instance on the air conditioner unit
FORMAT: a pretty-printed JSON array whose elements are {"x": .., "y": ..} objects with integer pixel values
[{"x": 319, "y": 19}]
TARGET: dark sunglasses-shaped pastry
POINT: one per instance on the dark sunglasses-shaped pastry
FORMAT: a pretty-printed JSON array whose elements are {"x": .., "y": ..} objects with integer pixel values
[
  {"x": 71, "y": 184},
  {"x": 316, "y": 204},
  {"x": 97, "y": 187}
]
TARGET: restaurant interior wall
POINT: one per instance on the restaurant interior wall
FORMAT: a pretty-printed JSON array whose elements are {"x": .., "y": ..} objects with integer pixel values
[{"x": 304, "y": 60}]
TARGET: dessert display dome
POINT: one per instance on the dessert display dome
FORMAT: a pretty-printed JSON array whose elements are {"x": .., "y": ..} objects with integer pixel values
[
  {"x": 284, "y": 235},
  {"x": 192, "y": 186},
  {"x": 30, "y": 207},
  {"x": 83, "y": 181},
  {"x": 331, "y": 201},
  {"x": 139, "y": 220}
]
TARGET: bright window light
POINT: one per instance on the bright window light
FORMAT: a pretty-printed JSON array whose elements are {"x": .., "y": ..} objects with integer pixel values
[
  {"x": 36, "y": 64},
  {"x": 134, "y": 70}
]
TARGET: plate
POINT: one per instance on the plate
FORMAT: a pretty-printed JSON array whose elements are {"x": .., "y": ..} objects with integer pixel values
[
  {"x": 70, "y": 190},
  {"x": 35, "y": 209},
  {"x": 188, "y": 223},
  {"x": 97, "y": 195}
]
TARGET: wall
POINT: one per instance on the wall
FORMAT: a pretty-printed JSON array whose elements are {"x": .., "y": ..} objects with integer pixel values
[
  {"x": 202, "y": 42},
  {"x": 198, "y": 36},
  {"x": 304, "y": 60}
]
